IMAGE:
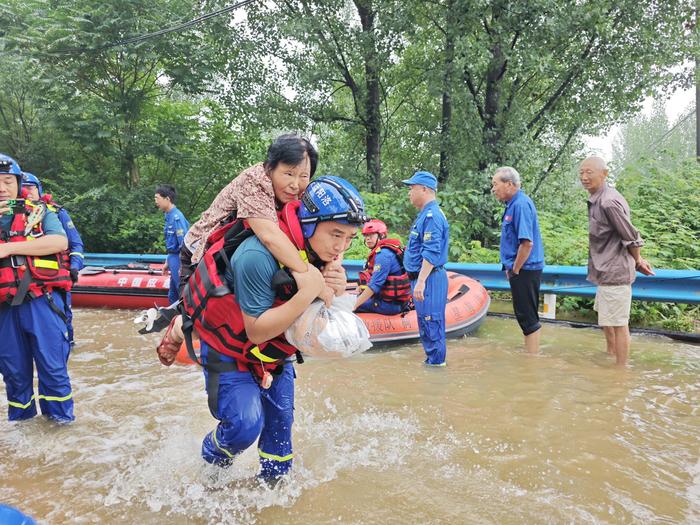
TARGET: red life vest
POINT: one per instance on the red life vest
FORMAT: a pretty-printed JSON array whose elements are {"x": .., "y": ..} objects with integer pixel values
[
  {"x": 210, "y": 306},
  {"x": 396, "y": 288},
  {"x": 33, "y": 275}
]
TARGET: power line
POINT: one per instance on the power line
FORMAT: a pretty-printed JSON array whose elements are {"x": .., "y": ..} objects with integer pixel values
[
  {"x": 652, "y": 146},
  {"x": 147, "y": 36}
]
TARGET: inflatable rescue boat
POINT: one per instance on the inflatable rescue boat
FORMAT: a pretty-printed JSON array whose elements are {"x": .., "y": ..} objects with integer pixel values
[
  {"x": 142, "y": 286},
  {"x": 467, "y": 305},
  {"x": 122, "y": 286}
]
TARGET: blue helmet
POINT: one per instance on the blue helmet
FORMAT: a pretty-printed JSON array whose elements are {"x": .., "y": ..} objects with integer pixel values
[
  {"x": 8, "y": 165},
  {"x": 328, "y": 199},
  {"x": 29, "y": 179},
  {"x": 12, "y": 516}
]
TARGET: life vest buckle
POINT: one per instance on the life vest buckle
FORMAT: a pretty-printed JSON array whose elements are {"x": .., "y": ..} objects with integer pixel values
[
  {"x": 18, "y": 261},
  {"x": 266, "y": 380}
]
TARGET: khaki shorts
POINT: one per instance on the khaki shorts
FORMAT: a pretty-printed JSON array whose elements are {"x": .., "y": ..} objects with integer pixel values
[{"x": 613, "y": 304}]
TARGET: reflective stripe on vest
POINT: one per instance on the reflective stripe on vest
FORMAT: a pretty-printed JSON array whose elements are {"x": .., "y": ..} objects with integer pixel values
[{"x": 29, "y": 275}]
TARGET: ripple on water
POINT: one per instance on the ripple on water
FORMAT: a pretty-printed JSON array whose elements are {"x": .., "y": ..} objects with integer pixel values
[{"x": 497, "y": 437}]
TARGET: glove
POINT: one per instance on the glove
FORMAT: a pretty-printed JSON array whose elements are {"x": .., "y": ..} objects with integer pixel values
[{"x": 74, "y": 274}]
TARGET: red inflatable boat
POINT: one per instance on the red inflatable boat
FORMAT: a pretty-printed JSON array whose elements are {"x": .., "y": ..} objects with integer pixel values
[{"x": 127, "y": 286}]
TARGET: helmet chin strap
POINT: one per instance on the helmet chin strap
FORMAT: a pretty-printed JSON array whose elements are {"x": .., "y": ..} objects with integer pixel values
[{"x": 312, "y": 255}]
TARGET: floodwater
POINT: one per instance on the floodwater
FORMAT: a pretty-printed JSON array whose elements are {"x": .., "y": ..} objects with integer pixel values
[{"x": 497, "y": 437}]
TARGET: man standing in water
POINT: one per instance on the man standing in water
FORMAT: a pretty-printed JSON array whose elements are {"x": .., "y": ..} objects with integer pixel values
[
  {"x": 424, "y": 260},
  {"x": 176, "y": 227},
  {"x": 522, "y": 252},
  {"x": 248, "y": 364},
  {"x": 613, "y": 256},
  {"x": 34, "y": 277}
]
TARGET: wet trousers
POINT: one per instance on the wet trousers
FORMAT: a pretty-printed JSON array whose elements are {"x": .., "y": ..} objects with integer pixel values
[
  {"x": 431, "y": 317},
  {"x": 34, "y": 333},
  {"x": 69, "y": 318},
  {"x": 174, "y": 268},
  {"x": 247, "y": 413}
]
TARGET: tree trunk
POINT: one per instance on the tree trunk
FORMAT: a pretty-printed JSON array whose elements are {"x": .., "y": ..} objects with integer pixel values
[
  {"x": 492, "y": 125},
  {"x": 697, "y": 105},
  {"x": 373, "y": 126},
  {"x": 129, "y": 160},
  {"x": 446, "y": 123}
]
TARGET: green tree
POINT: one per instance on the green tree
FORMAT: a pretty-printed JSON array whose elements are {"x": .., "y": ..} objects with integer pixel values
[
  {"x": 101, "y": 89},
  {"x": 337, "y": 57},
  {"x": 653, "y": 136},
  {"x": 533, "y": 76}
]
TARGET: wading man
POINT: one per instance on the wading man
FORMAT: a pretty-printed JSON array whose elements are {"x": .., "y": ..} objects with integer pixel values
[
  {"x": 522, "y": 252},
  {"x": 613, "y": 256}
]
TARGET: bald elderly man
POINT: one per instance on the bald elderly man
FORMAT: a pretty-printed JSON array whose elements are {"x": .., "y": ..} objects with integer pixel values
[{"x": 614, "y": 253}]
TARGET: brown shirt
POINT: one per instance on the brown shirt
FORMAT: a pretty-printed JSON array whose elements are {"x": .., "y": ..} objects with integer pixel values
[
  {"x": 250, "y": 195},
  {"x": 610, "y": 232}
]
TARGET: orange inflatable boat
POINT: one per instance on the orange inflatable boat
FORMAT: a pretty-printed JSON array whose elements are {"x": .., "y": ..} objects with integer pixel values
[{"x": 467, "y": 305}]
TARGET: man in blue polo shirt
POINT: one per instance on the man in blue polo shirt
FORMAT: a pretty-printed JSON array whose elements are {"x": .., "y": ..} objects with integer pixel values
[
  {"x": 522, "y": 252},
  {"x": 424, "y": 259},
  {"x": 176, "y": 227}
]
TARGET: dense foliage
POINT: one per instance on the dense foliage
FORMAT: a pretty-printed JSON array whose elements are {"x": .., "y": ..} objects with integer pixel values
[{"x": 102, "y": 111}]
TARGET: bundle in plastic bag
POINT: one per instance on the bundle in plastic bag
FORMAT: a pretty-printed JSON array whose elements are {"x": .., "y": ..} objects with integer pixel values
[{"x": 329, "y": 332}]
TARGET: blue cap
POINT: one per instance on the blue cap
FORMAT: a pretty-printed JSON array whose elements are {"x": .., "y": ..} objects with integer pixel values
[{"x": 424, "y": 178}]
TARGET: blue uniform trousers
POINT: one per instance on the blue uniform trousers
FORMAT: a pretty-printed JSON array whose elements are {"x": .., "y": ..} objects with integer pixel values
[
  {"x": 431, "y": 317},
  {"x": 34, "y": 333},
  {"x": 246, "y": 411},
  {"x": 174, "y": 268},
  {"x": 69, "y": 318},
  {"x": 380, "y": 307}
]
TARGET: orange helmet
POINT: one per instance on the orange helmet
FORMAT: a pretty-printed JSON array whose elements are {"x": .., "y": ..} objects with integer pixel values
[{"x": 374, "y": 226}]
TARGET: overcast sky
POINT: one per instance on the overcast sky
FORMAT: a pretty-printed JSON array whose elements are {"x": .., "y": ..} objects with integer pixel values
[{"x": 676, "y": 107}]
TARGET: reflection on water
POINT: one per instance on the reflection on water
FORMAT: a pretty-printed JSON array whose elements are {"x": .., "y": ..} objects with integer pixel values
[{"x": 497, "y": 437}]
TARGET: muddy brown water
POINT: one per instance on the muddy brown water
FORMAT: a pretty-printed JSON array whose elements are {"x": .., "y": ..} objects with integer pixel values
[{"x": 496, "y": 437}]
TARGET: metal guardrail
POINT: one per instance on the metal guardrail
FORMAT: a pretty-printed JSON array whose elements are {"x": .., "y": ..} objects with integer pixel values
[
  {"x": 115, "y": 259},
  {"x": 679, "y": 286}
]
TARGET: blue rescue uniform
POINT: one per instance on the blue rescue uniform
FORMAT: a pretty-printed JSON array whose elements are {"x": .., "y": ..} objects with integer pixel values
[
  {"x": 33, "y": 332},
  {"x": 175, "y": 229},
  {"x": 245, "y": 410},
  {"x": 519, "y": 224},
  {"x": 77, "y": 261},
  {"x": 429, "y": 239},
  {"x": 386, "y": 263}
]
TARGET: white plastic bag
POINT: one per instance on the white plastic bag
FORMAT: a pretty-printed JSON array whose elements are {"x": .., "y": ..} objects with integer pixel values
[{"x": 329, "y": 332}]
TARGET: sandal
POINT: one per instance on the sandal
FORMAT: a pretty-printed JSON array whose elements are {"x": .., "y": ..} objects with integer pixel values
[{"x": 168, "y": 348}]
